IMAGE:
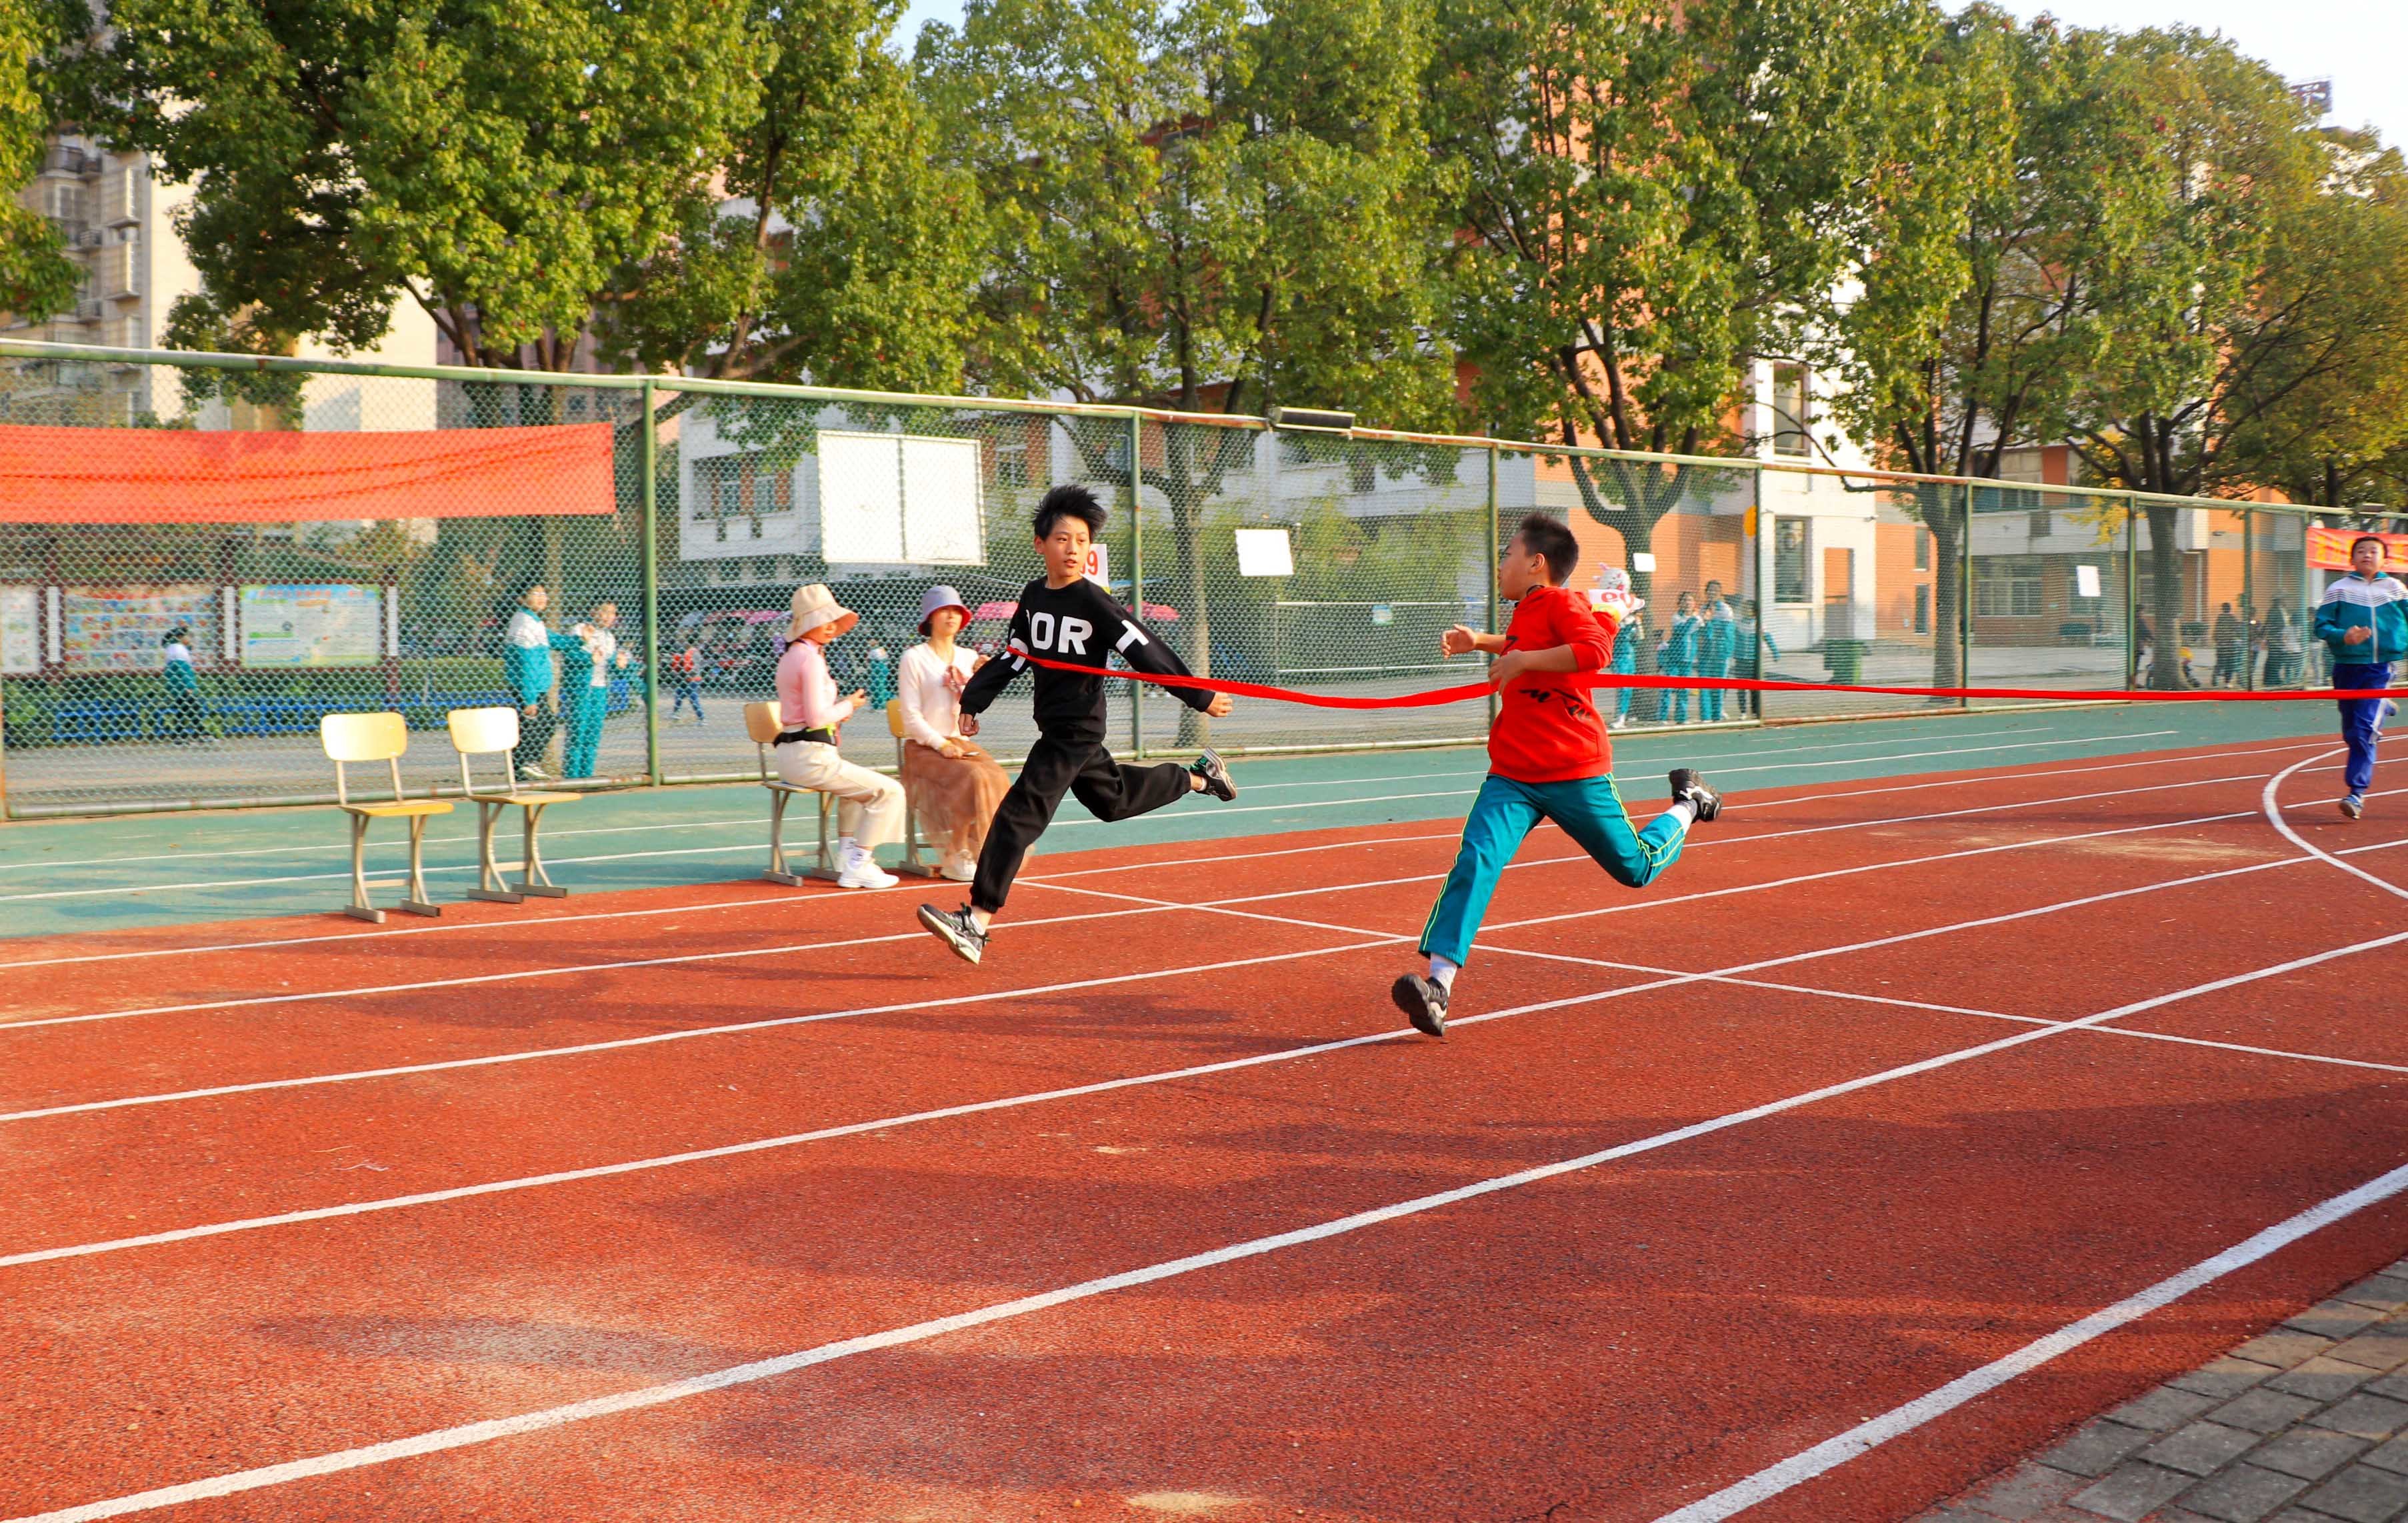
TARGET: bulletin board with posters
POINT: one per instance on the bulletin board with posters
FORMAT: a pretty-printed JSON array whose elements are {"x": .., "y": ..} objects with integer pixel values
[
  {"x": 21, "y": 630},
  {"x": 122, "y": 628},
  {"x": 322, "y": 624}
]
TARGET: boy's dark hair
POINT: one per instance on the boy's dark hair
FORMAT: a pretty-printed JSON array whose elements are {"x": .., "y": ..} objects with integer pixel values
[
  {"x": 2374, "y": 539},
  {"x": 1068, "y": 502},
  {"x": 1551, "y": 541}
]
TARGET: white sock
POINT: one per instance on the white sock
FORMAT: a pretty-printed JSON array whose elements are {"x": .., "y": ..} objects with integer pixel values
[
  {"x": 980, "y": 918},
  {"x": 847, "y": 848},
  {"x": 1443, "y": 974},
  {"x": 1685, "y": 811}
]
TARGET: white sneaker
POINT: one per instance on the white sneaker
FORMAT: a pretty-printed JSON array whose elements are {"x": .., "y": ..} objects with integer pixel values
[
  {"x": 961, "y": 869},
  {"x": 861, "y": 871}
]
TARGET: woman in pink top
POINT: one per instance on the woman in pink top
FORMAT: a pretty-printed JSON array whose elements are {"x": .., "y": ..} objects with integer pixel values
[{"x": 870, "y": 807}]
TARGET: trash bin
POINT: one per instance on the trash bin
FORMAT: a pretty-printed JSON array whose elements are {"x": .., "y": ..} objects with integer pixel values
[{"x": 1846, "y": 659}]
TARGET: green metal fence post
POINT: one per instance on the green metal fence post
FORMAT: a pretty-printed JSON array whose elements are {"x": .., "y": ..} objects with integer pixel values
[
  {"x": 648, "y": 454},
  {"x": 2131, "y": 592},
  {"x": 1136, "y": 568},
  {"x": 2248, "y": 600},
  {"x": 1495, "y": 527},
  {"x": 1964, "y": 598},
  {"x": 1754, "y": 523}
]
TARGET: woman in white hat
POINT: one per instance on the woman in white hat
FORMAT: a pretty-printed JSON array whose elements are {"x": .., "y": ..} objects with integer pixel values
[
  {"x": 870, "y": 807},
  {"x": 952, "y": 783}
]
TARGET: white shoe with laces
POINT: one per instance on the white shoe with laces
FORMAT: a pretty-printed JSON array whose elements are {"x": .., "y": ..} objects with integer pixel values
[{"x": 858, "y": 868}]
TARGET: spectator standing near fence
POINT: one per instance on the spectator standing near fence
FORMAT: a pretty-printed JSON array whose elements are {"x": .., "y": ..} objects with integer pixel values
[
  {"x": 2231, "y": 638},
  {"x": 527, "y": 645},
  {"x": 951, "y": 782},
  {"x": 1613, "y": 586},
  {"x": 1678, "y": 656},
  {"x": 586, "y": 673},
  {"x": 1717, "y": 642},
  {"x": 2282, "y": 639},
  {"x": 187, "y": 721},
  {"x": 870, "y": 807},
  {"x": 685, "y": 671},
  {"x": 2363, "y": 622},
  {"x": 1747, "y": 660}
]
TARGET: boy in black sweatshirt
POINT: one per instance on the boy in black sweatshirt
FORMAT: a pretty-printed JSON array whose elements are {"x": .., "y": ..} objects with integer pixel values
[{"x": 1065, "y": 617}]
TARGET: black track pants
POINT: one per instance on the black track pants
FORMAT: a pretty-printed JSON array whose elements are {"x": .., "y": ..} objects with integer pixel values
[{"x": 1057, "y": 764}]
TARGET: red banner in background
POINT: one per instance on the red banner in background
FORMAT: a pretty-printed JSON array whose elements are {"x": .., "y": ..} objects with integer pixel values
[
  {"x": 2329, "y": 549},
  {"x": 197, "y": 476}
]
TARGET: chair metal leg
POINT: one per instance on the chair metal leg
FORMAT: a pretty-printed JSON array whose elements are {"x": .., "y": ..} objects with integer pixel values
[
  {"x": 531, "y": 878},
  {"x": 490, "y": 886},
  {"x": 417, "y": 904},
  {"x": 777, "y": 872},
  {"x": 360, "y": 908},
  {"x": 911, "y": 866}
]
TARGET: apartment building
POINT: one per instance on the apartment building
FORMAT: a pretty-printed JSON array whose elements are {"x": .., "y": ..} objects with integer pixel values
[{"x": 119, "y": 220}]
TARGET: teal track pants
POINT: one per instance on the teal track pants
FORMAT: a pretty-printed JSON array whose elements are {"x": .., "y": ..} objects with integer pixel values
[{"x": 1590, "y": 812}]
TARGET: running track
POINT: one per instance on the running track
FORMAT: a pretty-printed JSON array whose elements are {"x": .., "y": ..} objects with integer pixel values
[{"x": 1761, "y": 1192}]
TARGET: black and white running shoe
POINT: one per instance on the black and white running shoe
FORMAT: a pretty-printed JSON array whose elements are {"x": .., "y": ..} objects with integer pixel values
[
  {"x": 1215, "y": 775},
  {"x": 1689, "y": 787},
  {"x": 1423, "y": 1003},
  {"x": 956, "y": 930}
]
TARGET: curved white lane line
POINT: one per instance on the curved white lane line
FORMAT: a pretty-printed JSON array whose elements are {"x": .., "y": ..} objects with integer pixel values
[{"x": 2274, "y": 812}]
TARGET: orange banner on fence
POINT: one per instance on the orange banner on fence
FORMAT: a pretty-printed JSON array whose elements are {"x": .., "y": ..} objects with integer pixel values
[
  {"x": 2329, "y": 549},
  {"x": 190, "y": 476}
]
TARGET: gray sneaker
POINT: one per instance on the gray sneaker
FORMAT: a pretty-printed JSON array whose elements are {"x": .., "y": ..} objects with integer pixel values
[
  {"x": 1423, "y": 1003},
  {"x": 1690, "y": 788},
  {"x": 956, "y": 930},
  {"x": 1215, "y": 775},
  {"x": 2353, "y": 806}
]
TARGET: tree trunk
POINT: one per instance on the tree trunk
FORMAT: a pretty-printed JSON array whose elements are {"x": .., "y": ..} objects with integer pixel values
[
  {"x": 2166, "y": 596},
  {"x": 1189, "y": 581},
  {"x": 1948, "y": 545}
]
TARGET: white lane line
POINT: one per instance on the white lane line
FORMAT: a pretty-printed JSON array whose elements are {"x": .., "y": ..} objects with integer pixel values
[
  {"x": 1146, "y": 906},
  {"x": 1750, "y": 804},
  {"x": 385, "y": 877},
  {"x": 2274, "y": 812},
  {"x": 1838, "y": 1450},
  {"x": 1660, "y": 980},
  {"x": 469, "y": 1434},
  {"x": 1385, "y": 883}
]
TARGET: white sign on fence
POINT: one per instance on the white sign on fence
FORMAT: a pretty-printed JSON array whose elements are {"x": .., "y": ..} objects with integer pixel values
[
  {"x": 21, "y": 630},
  {"x": 333, "y": 624},
  {"x": 2085, "y": 580},
  {"x": 1265, "y": 552},
  {"x": 899, "y": 499}
]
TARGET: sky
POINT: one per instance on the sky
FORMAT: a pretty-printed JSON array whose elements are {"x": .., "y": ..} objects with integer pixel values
[{"x": 2362, "y": 46}]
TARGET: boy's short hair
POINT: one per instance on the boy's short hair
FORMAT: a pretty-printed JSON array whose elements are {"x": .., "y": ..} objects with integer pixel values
[
  {"x": 1551, "y": 541},
  {"x": 1069, "y": 502}
]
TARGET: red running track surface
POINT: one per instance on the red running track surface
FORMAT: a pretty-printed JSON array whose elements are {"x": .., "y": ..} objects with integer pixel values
[{"x": 1181, "y": 1051}]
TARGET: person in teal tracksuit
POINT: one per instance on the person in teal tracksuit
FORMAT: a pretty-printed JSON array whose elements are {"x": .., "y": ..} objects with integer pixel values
[
  {"x": 2363, "y": 621},
  {"x": 528, "y": 646},
  {"x": 1717, "y": 642},
  {"x": 183, "y": 682},
  {"x": 1614, "y": 587},
  {"x": 1678, "y": 658},
  {"x": 585, "y": 673}
]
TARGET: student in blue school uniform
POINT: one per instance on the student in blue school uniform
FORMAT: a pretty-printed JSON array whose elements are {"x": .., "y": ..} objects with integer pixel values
[
  {"x": 527, "y": 647},
  {"x": 1717, "y": 642},
  {"x": 586, "y": 673},
  {"x": 2363, "y": 622},
  {"x": 1678, "y": 656},
  {"x": 1613, "y": 590}
]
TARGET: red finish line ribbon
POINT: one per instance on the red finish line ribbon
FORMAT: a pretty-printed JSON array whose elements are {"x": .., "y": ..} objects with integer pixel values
[{"x": 1467, "y": 691}]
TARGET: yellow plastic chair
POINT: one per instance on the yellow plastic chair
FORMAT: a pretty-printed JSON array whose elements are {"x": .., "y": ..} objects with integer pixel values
[
  {"x": 765, "y": 722},
  {"x": 910, "y": 867},
  {"x": 379, "y": 738},
  {"x": 485, "y": 732}
]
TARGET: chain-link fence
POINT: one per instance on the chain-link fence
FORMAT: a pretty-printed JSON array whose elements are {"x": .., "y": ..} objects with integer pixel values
[{"x": 199, "y": 559}]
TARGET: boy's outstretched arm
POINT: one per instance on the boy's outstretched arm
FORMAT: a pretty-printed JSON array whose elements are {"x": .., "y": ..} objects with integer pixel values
[
  {"x": 1143, "y": 653},
  {"x": 1463, "y": 640}
]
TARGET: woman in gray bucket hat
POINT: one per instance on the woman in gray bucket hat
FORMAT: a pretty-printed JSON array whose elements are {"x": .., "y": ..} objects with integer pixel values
[{"x": 952, "y": 783}]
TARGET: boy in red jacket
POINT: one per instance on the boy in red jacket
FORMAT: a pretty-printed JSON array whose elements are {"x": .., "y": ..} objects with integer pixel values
[{"x": 1548, "y": 758}]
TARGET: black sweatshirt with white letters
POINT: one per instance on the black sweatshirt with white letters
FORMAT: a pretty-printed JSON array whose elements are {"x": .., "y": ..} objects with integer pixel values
[{"x": 1081, "y": 626}]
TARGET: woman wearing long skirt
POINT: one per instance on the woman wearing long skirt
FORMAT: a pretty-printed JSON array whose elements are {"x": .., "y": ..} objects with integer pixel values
[{"x": 952, "y": 783}]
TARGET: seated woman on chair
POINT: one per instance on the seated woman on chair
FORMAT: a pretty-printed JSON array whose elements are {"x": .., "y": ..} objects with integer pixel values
[
  {"x": 870, "y": 807},
  {"x": 953, "y": 782}
]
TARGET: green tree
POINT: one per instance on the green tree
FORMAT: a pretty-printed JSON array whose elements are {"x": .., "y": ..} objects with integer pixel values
[
  {"x": 1212, "y": 205},
  {"x": 2035, "y": 195},
  {"x": 497, "y": 163},
  {"x": 846, "y": 250},
  {"x": 1660, "y": 194},
  {"x": 37, "y": 278}
]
